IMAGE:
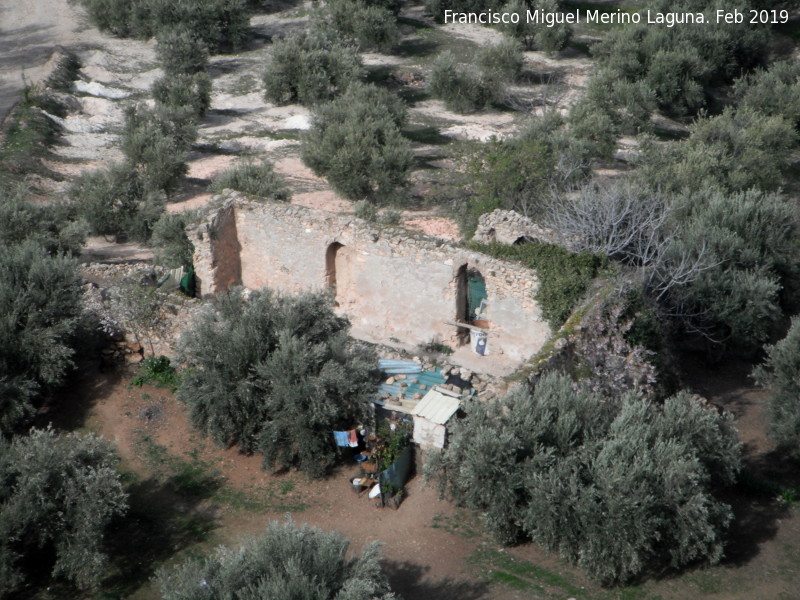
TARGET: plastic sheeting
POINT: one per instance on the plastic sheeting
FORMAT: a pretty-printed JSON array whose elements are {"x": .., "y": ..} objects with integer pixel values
[
  {"x": 426, "y": 378},
  {"x": 397, "y": 475}
]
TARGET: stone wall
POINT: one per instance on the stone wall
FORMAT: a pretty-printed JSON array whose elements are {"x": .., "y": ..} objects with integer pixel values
[
  {"x": 217, "y": 259},
  {"x": 390, "y": 282},
  {"x": 509, "y": 227}
]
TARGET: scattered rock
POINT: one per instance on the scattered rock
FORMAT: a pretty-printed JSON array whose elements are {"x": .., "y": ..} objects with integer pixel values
[
  {"x": 134, "y": 358},
  {"x": 94, "y": 88}
]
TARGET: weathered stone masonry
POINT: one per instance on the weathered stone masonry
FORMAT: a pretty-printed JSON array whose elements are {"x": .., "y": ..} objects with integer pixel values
[{"x": 390, "y": 282}]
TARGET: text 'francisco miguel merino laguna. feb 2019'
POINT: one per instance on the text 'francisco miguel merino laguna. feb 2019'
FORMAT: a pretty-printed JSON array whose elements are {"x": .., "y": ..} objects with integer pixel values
[{"x": 667, "y": 19}]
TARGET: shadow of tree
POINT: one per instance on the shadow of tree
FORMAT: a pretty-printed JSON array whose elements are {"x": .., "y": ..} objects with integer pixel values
[
  {"x": 160, "y": 523},
  {"x": 408, "y": 580},
  {"x": 68, "y": 408}
]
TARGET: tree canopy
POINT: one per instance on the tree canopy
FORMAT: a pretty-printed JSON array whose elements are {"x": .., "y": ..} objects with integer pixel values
[
  {"x": 275, "y": 375},
  {"x": 57, "y": 491},
  {"x": 289, "y": 562},
  {"x": 781, "y": 373},
  {"x": 355, "y": 141},
  {"x": 617, "y": 486},
  {"x": 40, "y": 308}
]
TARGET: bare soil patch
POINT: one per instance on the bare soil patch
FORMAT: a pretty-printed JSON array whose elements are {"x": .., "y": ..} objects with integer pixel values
[{"x": 151, "y": 430}]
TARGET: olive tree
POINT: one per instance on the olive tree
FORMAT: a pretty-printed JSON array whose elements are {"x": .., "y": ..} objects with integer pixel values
[
  {"x": 780, "y": 372},
  {"x": 289, "y": 561},
  {"x": 773, "y": 92},
  {"x": 617, "y": 486},
  {"x": 310, "y": 67},
  {"x": 59, "y": 492},
  {"x": 355, "y": 141},
  {"x": 275, "y": 375},
  {"x": 40, "y": 308},
  {"x": 371, "y": 26},
  {"x": 744, "y": 249}
]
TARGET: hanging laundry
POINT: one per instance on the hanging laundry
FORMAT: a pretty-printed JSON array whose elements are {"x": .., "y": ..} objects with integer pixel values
[
  {"x": 353, "y": 437},
  {"x": 342, "y": 438}
]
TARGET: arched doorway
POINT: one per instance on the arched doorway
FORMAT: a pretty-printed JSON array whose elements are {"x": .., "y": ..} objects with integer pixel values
[
  {"x": 470, "y": 297},
  {"x": 330, "y": 266}
]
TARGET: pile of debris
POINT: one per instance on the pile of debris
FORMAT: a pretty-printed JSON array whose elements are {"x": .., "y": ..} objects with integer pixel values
[{"x": 460, "y": 378}]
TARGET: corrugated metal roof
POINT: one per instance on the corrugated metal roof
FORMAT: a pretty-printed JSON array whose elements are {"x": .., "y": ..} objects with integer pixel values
[
  {"x": 398, "y": 366},
  {"x": 436, "y": 407}
]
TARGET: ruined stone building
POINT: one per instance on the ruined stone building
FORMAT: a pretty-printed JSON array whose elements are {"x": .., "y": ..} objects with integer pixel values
[{"x": 394, "y": 285}]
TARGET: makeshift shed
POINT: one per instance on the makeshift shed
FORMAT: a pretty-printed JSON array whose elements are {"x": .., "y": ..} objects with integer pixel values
[{"x": 431, "y": 416}]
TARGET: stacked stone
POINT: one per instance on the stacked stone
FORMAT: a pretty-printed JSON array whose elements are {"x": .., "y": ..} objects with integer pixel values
[{"x": 507, "y": 226}]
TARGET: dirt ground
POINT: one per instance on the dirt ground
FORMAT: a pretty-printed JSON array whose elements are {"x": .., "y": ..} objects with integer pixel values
[
  {"x": 432, "y": 550},
  {"x": 424, "y": 561}
]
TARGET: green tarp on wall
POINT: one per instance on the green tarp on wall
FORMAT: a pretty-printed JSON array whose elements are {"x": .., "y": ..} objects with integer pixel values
[{"x": 397, "y": 475}]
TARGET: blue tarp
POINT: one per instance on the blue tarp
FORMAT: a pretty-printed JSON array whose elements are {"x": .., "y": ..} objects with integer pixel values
[
  {"x": 393, "y": 366},
  {"x": 426, "y": 378}
]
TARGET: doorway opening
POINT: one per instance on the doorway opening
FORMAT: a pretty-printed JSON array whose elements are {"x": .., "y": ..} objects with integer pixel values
[
  {"x": 471, "y": 298},
  {"x": 330, "y": 267}
]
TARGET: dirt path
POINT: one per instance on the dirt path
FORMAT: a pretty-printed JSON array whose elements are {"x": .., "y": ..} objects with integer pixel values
[{"x": 29, "y": 33}]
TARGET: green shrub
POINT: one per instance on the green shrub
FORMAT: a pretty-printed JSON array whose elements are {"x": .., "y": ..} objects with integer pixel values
[
  {"x": 682, "y": 64},
  {"x": 54, "y": 227},
  {"x": 118, "y": 17},
  {"x": 355, "y": 141},
  {"x": 29, "y": 136},
  {"x": 309, "y": 67},
  {"x": 288, "y": 562},
  {"x": 462, "y": 89},
  {"x": 59, "y": 493},
  {"x": 610, "y": 108},
  {"x": 564, "y": 277},
  {"x": 550, "y": 39},
  {"x": 65, "y": 73},
  {"x": 780, "y": 373},
  {"x": 371, "y": 27},
  {"x": 258, "y": 180},
  {"x": 181, "y": 51},
  {"x": 40, "y": 300},
  {"x": 389, "y": 216},
  {"x": 173, "y": 247},
  {"x": 735, "y": 151},
  {"x": 155, "y": 142},
  {"x": 522, "y": 31},
  {"x": 622, "y": 487},
  {"x": 276, "y": 375},
  {"x": 364, "y": 209},
  {"x": 157, "y": 370},
  {"x": 437, "y": 7},
  {"x": 511, "y": 174},
  {"x": 180, "y": 91},
  {"x": 504, "y": 60},
  {"x": 113, "y": 202},
  {"x": 747, "y": 246},
  {"x": 774, "y": 92},
  {"x": 215, "y": 22}
]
